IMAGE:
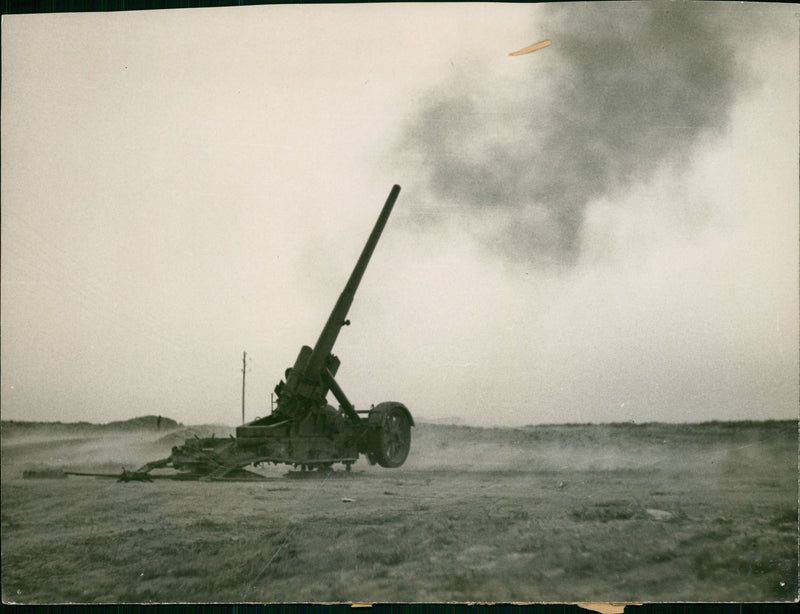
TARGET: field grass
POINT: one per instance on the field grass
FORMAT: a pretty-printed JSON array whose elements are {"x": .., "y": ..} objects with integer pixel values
[{"x": 552, "y": 513}]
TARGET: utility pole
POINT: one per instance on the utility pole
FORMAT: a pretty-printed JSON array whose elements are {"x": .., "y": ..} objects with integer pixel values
[{"x": 244, "y": 372}]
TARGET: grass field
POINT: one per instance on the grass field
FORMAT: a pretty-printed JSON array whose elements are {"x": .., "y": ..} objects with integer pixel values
[{"x": 654, "y": 512}]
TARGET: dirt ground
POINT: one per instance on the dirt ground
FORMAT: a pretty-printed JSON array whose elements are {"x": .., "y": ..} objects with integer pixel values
[{"x": 544, "y": 513}]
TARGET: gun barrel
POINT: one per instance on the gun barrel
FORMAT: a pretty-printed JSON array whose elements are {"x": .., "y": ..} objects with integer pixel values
[{"x": 336, "y": 320}]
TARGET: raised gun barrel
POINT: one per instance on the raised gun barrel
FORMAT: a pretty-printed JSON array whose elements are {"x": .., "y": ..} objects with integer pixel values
[
  {"x": 336, "y": 320},
  {"x": 311, "y": 377}
]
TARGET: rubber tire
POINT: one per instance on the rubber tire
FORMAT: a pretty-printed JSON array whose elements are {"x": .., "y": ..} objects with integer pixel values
[{"x": 391, "y": 441}]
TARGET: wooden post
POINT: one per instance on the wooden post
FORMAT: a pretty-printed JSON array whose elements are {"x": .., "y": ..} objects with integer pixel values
[{"x": 244, "y": 371}]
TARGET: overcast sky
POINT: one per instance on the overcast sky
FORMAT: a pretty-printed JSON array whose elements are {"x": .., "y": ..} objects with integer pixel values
[{"x": 605, "y": 229}]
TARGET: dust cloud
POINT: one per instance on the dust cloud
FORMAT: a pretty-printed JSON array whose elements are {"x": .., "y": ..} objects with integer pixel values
[
  {"x": 706, "y": 448},
  {"x": 89, "y": 451},
  {"x": 612, "y": 100}
]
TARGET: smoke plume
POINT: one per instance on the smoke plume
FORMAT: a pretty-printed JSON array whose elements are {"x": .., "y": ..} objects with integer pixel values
[{"x": 620, "y": 93}]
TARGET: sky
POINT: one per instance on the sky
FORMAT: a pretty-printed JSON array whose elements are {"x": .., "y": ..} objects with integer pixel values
[{"x": 602, "y": 230}]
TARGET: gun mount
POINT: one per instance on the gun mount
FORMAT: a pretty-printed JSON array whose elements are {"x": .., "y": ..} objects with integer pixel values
[{"x": 304, "y": 430}]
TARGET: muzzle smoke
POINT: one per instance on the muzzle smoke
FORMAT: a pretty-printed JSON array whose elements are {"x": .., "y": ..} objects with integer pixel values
[{"x": 617, "y": 95}]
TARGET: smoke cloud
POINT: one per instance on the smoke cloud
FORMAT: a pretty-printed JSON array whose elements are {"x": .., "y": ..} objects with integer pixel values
[{"x": 618, "y": 95}]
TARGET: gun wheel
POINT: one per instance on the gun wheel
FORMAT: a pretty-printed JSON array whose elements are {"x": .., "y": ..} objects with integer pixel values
[{"x": 392, "y": 439}]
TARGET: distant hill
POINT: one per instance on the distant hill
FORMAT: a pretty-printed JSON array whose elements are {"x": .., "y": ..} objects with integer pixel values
[
  {"x": 674, "y": 434},
  {"x": 175, "y": 432},
  {"x": 454, "y": 420},
  {"x": 141, "y": 423}
]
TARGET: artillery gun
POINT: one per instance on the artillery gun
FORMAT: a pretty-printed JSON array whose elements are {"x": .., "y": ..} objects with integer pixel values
[{"x": 304, "y": 430}]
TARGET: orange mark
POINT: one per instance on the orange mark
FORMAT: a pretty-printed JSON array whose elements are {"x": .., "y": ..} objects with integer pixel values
[
  {"x": 531, "y": 48},
  {"x": 605, "y": 608}
]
